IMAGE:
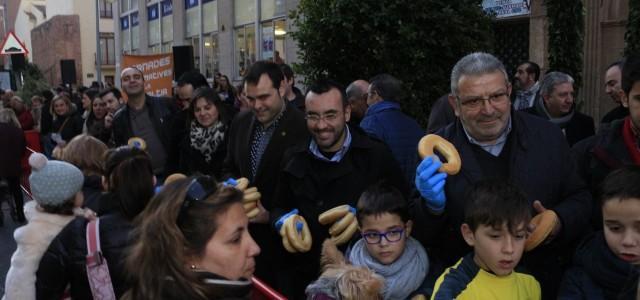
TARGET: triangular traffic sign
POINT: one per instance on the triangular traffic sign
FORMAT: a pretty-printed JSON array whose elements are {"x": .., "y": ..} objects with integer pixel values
[{"x": 12, "y": 45}]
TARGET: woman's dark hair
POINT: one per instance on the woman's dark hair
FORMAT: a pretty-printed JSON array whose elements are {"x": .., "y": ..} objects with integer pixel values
[
  {"x": 130, "y": 177},
  {"x": 379, "y": 199},
  {"x": 211, "y": 96},
  {"x": 169, "y": 233},
  {"x": 65, "y": 208}
]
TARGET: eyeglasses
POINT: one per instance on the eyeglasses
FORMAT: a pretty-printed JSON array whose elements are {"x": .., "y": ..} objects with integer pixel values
[
  {"x": 199, "y": 189},
  {"x": 315, "y": 118},
  {"x": 391, "y": 236},
  {"x": 477, "y": 102}
]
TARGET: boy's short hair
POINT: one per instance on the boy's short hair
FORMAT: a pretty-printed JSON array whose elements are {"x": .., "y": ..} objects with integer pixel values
[
  {"x": 493, "y": 202},
  {"x": 621, "y": 184},
  {"x": 630, "y": 72},
  {"x": 382, "y": 198}
]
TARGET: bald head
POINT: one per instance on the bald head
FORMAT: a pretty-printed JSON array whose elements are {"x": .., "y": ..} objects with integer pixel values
[{"x": 357, "y": 97}]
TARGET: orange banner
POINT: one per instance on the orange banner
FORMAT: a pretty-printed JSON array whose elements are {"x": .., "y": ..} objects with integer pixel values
[{"x": 157, "y": 70}]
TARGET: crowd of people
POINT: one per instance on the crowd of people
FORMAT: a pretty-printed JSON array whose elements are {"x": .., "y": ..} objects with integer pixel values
[{"x": 347, "y": 209}]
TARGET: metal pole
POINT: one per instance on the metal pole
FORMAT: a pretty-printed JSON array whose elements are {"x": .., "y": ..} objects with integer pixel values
[
  {"x": 117, "y": 39},
  {"x": 98, "y": 50}
]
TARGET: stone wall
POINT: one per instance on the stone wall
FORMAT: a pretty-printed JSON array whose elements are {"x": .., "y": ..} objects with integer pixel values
[{"x": 56, "y": 39}]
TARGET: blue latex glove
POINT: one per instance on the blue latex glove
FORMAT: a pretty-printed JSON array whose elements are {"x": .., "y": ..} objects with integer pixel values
[
  {"x": 430, "y": 183},
  {"x": 286, "y": 216},
  {"x": 230, "y": 182}
]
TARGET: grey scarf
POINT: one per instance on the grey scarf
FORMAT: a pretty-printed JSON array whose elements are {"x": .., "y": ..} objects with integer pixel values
[
  {"x": 402, "y": 277},
  {"x": 542, "y": 110}
]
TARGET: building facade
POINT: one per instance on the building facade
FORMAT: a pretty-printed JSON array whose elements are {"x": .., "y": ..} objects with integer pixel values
[
  {"x": 50, "y": 32},
  {"x": 523, "y": 37},
  {"x": 226, "y": 35}
]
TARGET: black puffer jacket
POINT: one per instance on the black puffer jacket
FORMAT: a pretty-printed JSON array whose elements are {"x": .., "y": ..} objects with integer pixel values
[{"x": 64, "y": 261}]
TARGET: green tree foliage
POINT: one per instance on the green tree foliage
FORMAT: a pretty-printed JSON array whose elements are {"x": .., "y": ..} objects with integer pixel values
[
  {"x": 33, "y": 83},
  {"x": 632, "y": 36},
  {"x": 416, "y": 41},
  {"x": 566, "y": 34}
]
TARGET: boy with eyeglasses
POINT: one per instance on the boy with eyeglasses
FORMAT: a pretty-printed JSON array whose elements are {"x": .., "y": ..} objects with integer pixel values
[
  {"x": 495, "y": 225},
  {"x": 386, "y": 247}
]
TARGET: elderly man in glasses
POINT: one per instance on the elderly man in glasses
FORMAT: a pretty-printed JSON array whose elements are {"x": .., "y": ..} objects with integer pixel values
[
  {"x": 495, "y": 141},
  {"x": 556, "y": 103},
  {"x": 331, "y": 169}
]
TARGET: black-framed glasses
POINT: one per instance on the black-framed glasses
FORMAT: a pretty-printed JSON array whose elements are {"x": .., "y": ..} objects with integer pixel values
[
  {"x": 477, "y": 102},
  {"x": 199, "y": 189},
  {"x": 391, "y": 236}
]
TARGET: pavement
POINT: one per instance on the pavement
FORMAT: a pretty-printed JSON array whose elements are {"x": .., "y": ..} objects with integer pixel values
[{"x": 7, "y": 243}]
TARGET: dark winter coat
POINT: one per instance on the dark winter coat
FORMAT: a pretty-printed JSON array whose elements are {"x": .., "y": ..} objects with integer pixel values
[
  {"x": 617, "y": 113},
  {"x": 13, "y": 147},
  {"x": 314, "y": 186},
  {"x": 386, "y": 121},
  {"x": 220, "y": 288},
  {"x": 597, "y": 156},
  {"x": 540, "y": 165},
  {"x": 71, "y": 128},
  {"x": 65, "y": 260},
  {"x": 577, "y": 129},
  {"x": 291, "y": 130},
  {"x": 160, "y": 112},
  {"x": 597, "y": 273},
  {"x": 92, "y": 192}
]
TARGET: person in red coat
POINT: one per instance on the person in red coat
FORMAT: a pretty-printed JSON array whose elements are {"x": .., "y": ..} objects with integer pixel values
[
  {"x": 24, "y": 115},
  {"x": 14, "y": 144}
]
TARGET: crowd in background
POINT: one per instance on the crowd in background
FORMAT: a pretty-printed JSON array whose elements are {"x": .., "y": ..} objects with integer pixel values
[{"x": 418, "y": 231}]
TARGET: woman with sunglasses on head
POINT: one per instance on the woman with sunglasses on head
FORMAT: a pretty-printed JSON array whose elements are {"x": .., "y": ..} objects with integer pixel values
[
  {"x": 129, "y": 182},
  {"x": 192, "y": 242}
]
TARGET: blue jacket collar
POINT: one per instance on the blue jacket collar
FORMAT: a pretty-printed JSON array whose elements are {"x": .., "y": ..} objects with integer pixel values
[{"x": 382, "y": 106}]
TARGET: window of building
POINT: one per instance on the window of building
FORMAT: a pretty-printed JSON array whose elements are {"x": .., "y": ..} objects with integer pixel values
[
  {"x": 210, "y": 15},
  {"x": 273, "y": 40},
  {"x": 135, "y": 31},
  {"x": 245, "y": 45},
  {"x": 106, "y": 9},
  {"x": 125, "y": 33},
  {"x": 167, "y": 21},
  {"x": 195, "y": 43},
  {"x": 153, "y": 15},
  {"x": 107, "y": 49},
  {"x": 270, "y": 9},
  {"x": 244, "y": 11},
  {"x": 167, "y": 47},
  {"x": 211, "y": 64},
  {"x": 124, "y": 6},
  {"x": 192, "y": 17},
  {"x": 133, "y": 4}
]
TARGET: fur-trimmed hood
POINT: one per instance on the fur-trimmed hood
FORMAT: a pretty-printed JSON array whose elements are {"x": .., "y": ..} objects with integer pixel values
[{"x": 33, "y": 240}]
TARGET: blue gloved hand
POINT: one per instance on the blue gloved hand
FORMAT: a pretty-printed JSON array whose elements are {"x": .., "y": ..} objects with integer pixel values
[
  {"x": 230, "y": 182},
  {"x": 430, "y": 183},
  {"x": 286, "y": 216}
]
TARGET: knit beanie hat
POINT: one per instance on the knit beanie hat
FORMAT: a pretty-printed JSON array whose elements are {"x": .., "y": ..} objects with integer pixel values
[{"x": 53, "y": 182}]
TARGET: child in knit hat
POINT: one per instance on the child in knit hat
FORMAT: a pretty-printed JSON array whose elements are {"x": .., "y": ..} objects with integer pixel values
[{"x": 56, "y": 187}]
